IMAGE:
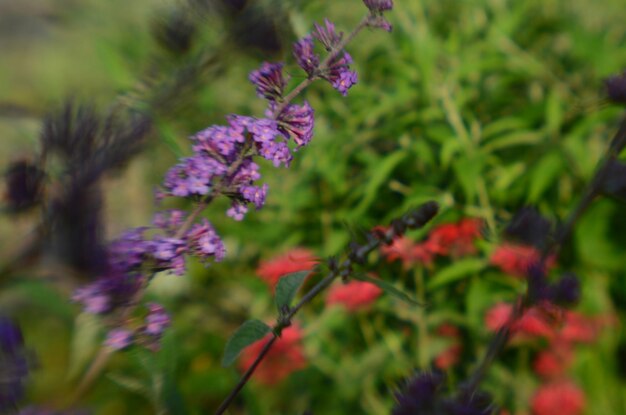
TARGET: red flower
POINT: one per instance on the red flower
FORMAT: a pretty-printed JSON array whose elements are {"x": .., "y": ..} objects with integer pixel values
[
  {"x": 285, "y": 356},
  {"x": 297, "y": 259},
  {"x": 409, "y": 252},
  {"x": 455, "y": 239},
  {"x": 533, "y": 323},
  {"x": 554, "y": 362},
  {"x": 562, "y": 398},
  {"x": 450, "y": 356},
  {"x": 354, "y": 295},
  {"x": 517, "y": 259}
]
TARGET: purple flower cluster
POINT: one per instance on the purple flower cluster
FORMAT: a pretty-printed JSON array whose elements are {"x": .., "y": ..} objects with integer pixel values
[
  {"x": 337, "y": 71},
  {"x": 13, "y": 365},
  {"x": 148, "y": 334},
  {"x": 134, "y": 257},
  {"x": 423, "y": 394}
]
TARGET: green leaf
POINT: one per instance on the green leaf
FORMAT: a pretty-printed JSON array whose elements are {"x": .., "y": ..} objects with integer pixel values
[
  {"x": 458, "y": 270},
  {"x": 287, "y": 288},
  {"x": 85, "y": 342},
  {"x": 246, "y": 334},
  {"x": 388, "y": 288},
  {"x": 544, "y": 175},
  {"x": 131, "y": 384}
]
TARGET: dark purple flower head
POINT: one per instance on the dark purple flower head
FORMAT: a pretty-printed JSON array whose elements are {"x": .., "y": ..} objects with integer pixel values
[
  {"x": 13, "y": 365},
  {"x": 566, "y": 291},
  {"x": 377, "y": 6},
  {"x": 296, "y": 122},
  {"x": 24, "y": 185},
  {"x": 305, "y": 55},
  {"x": 118, "y": 339},
  {"x": 420, "y": 395},
  {"x": 327, "y": 35},
  {"x": 529, "y": 227},
  {"x": 616, "y": 88},
  {"x": 269, "y": 81}
]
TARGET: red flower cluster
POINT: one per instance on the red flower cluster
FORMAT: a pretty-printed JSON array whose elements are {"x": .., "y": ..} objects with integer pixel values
[
  {"x": 548, "y": 321},
  {"x": 452, "y": 354},
  {"x": 297, "y": 259},
  {"x": 355, "y": 295},
  {"x": 563, "y": 398},
  {"x": 453, "y": 239},
  {"x": 517, "y": 259},
  {"x": 285, "y": 356}
]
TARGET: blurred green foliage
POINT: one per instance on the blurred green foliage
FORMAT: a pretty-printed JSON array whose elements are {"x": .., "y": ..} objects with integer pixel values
[{"x": 482, "y": 105}]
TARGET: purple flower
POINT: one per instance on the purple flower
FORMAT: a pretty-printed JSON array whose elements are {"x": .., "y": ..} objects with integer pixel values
[
  {"x": 237, "y": 211},
  {"x": 264, "y": 130},
  {"x": 277, "y": 152},
  {"x": 377, "y": 6},
  {"x": 420, "y": 395},
  {"x": 109, "y": 292},
  {"x": 269, "y": 81},
  {"x": 616, "y": 88},
  {"x": 327, "y": 35},
  {"x": 157, "y": 320},
  {"x": 118, "y": 339},
  {"x": 203, "y": 242},
  {"x": 168, "y": 253},
  {"x": 255, "y": 194},
  {"x": 13, "y": 365},
  {"x": 305, "y": 56},
  {"x": 339, "y": 74},
  {"x": 296, "y": 122}
]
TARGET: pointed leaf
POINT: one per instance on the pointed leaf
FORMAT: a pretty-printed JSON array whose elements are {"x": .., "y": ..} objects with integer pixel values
[
  {"x": 287, "y": 288},
  {"x": 246, "y": 334},
  {"x": 388, "y": 288},
  {"x": 460, "y": 269}
]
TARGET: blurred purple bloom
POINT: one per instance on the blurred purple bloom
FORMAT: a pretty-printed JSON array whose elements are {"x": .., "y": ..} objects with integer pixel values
[
  {"x": 13, "y": 365},
  {"x": 237, "y": 211},
  {"x": 203, "y": 242},
  {"x": 157, "y": 320},
  {"x": 255, "y": 194},
  {"x": 305, "y": 56},
  {"x": 616, "y": 88},
  {"x": 420, "y": 395},
  {"x": 118, "y": 339},
  {"x": 377, "y": 6},
  {"x": 327, "y": 35},
  {"x": 269, "y": 81}
]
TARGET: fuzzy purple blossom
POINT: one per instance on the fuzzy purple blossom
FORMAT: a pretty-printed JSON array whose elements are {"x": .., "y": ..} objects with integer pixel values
[
  {"x": 157, "y": 320},
  {"x": 203, "y": 242},
  {"x": 14, "y": 365},
  {"x": 616, "y": 88},
  {"x": 378, "y": 6},
  {"x": 118, "y": 339},
  {"x": 327, "y": 35},
  {"x": 269, "y": 81},
  {"x": 305, "y": 55},
  {"x": 237, "y": 211}
]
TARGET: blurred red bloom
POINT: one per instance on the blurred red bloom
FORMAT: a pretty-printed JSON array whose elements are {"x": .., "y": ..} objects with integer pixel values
[
  {"x": 285, "y": 356},
  {"x": 533, "y": 323},
  {"x": 408, "y": 251},
  {"x": 450, "y": 356},
  {"x": 517, "y": 259},
  {"x": 455, "y": 239},
  {"x": 297, "y": 259},
  {"x": 562, "y": 398},
  {"x": 553, "y": 363},
  {"x": 354, "y": 295}
]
